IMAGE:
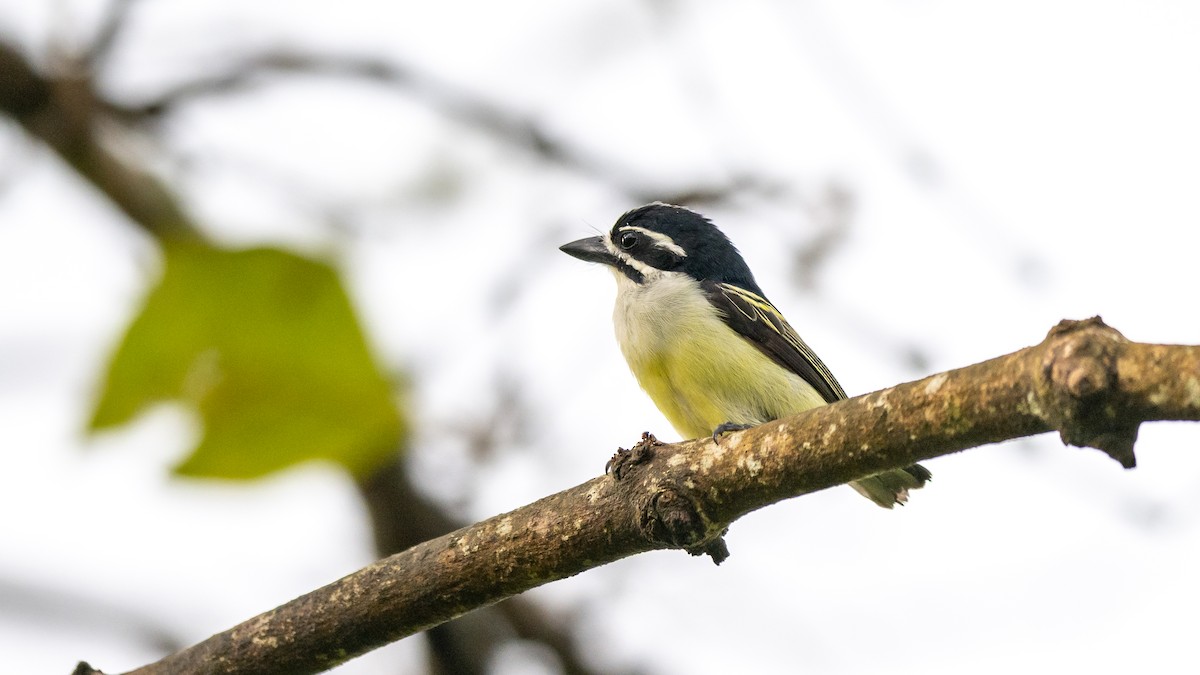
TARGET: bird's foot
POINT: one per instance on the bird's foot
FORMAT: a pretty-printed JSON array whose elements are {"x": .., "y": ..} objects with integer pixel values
[
  {"x": 624, "y": 460},
  {"x": 727, "y": 427}
]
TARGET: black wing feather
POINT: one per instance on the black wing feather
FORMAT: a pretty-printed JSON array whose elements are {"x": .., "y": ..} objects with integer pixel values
[{"x": 754, "y": 318}]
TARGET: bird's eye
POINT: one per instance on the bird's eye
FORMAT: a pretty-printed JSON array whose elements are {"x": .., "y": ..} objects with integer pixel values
[{"x": 628, "y": 240}]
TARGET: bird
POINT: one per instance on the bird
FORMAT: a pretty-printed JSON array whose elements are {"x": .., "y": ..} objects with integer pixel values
[{"x": 702, "y": 339}]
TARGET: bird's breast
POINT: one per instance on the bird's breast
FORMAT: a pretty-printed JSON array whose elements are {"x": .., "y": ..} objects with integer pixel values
[{"x": 697, "y": 370}]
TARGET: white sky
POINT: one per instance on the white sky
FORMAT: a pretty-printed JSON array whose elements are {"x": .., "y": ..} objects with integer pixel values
[{"x": 1061, "y": 155}]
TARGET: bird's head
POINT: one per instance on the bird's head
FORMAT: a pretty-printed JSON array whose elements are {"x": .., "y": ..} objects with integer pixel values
[{"x": 659, "y": 239}]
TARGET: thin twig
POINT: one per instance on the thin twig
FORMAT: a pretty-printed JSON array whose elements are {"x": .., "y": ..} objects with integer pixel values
[{"x": 112, "y": 26}]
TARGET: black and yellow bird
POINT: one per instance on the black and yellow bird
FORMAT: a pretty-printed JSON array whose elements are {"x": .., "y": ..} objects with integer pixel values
[{"x": 704, "y": 342}]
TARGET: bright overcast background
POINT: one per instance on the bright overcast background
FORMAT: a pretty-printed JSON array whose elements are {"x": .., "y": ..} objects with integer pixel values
[{"x": 927, "y": 184}]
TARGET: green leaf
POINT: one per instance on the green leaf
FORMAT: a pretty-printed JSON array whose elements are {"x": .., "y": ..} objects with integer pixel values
[{"x": 265, "y": 347}]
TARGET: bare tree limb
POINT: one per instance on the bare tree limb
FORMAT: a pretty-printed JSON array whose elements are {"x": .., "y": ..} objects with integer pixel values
[
  {"x": 402, "y": 517},
  {"x": 1085, "y": 381},
  {"x": 64, "y": 114}
]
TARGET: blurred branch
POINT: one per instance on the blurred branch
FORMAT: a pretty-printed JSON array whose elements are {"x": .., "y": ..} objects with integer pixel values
[
  {"x": 831, "y": 213},
  {"x": 505, "y": 125},
  {"x": 65, "y": 114},
  {"x": 116, "y": 17},
  {"x": 1085, "y": 381},
  {"x": 33, "y": 603}
]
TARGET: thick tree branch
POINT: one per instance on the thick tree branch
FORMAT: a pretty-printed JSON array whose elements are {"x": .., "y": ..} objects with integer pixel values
[
  {"x": 1085, "y": 381},
  {"x": 403, "y": 517}
]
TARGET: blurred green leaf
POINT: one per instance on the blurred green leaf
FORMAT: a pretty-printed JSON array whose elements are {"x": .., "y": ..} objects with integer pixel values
[{"x": 266, "y": 348}]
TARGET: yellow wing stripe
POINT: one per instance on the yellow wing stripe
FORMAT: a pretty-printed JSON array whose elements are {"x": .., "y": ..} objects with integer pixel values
[{"x": 756, "y": 308}]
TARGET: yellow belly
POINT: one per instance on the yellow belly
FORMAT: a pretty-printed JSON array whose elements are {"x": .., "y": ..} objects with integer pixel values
[
  {"x": 698, "y": 371},
  {"x": 701, "y": 386}
]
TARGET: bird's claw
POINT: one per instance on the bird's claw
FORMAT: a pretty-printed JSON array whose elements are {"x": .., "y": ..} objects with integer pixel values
[
  {"x": 726, "y": 428},
  {"x": 620, "y": 463}
]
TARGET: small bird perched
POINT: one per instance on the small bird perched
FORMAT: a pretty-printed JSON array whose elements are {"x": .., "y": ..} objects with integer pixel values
[{"x": 704, "y": 342}]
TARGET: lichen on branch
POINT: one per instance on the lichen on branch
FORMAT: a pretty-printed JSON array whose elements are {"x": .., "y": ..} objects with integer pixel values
[{"x": 1084, "y": 381}]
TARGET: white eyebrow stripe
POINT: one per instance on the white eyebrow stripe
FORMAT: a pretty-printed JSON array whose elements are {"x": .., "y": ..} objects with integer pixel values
[
  {"x": 660, "y": 240},
  {"x": 645, "y": 270}
]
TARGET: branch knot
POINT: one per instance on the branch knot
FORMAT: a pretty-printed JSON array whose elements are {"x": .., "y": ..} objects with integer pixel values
[
  {"x": 670, "y": 518},
  {"x": 1079, "y": 388}
]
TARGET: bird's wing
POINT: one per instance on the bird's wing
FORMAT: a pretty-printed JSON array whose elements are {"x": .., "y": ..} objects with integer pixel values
[{"x": 754, "y": 318}]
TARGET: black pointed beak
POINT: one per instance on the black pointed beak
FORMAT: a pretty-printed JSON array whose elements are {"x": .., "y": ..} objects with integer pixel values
[{"x": 591, "y": 249}]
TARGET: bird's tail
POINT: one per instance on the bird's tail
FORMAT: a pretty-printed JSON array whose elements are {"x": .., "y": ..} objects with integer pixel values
[{"x": 891, "y": 487}]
